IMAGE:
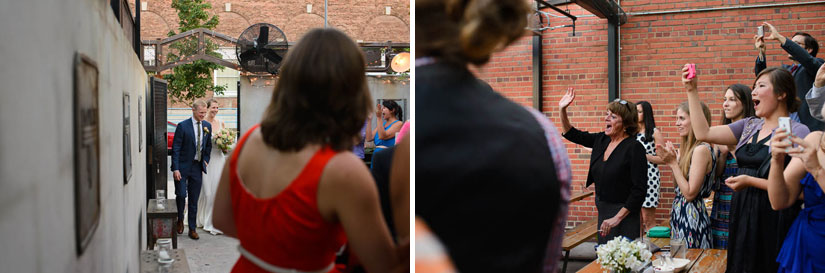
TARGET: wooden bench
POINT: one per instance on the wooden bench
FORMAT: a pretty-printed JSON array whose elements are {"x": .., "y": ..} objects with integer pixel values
[
  {"x": 577, "y": 236},
  {"x": 580, "y": 233},
  {"x": 580, "y": 196}
]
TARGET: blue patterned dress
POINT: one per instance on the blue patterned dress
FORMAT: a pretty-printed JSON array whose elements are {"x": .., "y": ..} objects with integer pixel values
[
  {"x": 720, "y": 214},
  {"x": 690, "y": 220}
]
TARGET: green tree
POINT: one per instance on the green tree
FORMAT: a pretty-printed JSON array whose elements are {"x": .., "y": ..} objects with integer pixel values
[{"x": 191, "y": 81}]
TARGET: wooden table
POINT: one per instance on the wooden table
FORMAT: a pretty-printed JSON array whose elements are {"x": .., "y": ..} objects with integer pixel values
[
  {"x": 162, "y": 221},
  {"x": 149, "y": 262},
  {"x": 702, "y": 260}
]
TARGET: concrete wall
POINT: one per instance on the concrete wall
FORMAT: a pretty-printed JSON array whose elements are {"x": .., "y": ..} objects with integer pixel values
[
  {"x": 37, "y": 218},
  {"x": 255, "y": 97}
]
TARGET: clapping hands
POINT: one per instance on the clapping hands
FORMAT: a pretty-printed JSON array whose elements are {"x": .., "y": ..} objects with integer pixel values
[{"x": 668, "y": 153}]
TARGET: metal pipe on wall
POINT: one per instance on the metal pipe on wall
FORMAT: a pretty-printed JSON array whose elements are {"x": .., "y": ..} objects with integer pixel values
[
  {"x": 724, "y": 8},
  {"x": 706, "y": 9},
  {"x": 537, "y": 75}
]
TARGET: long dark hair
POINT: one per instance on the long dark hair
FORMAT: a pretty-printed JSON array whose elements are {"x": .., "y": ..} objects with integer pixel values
[
  {"x": 743, "y": 94},
  {"x": 650, "y": 123},
  {"x": 783, "y": 83},
  {"x": 394, "y": 108}
]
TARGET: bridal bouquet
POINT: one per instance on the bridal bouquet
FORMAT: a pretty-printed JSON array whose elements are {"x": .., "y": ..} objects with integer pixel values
[
  {"x": 622, "y": 255},
  {"x": 225, "y": 138}
]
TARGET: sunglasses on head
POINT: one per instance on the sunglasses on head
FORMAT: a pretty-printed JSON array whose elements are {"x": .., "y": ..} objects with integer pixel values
[{"x": 623, "y": 102}]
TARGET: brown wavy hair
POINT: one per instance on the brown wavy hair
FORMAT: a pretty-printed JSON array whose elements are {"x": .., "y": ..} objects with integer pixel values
[
  {"x": 321, "y": 96},
  {"x": 467, "y": 31},
  {"x": 629, "y": 115}
]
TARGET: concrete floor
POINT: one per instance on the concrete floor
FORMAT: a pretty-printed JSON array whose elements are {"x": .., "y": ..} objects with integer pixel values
[{"x": 209, "y": 254}]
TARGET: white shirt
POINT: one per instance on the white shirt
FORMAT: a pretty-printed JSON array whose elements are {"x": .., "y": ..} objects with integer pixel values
[
  {"x": 197, "y": 127},
  {"x": 816, "y": 100}
]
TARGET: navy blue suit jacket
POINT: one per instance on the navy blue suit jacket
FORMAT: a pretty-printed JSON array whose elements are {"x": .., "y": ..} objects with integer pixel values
[
  {"x": 183, "y": 145},
  {"x": 803, "y": 77}
]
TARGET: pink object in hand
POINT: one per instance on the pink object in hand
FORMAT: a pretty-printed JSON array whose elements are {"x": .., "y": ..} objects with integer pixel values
[
  {"x": 691, "y": 71},
  {"x": 405, "y": 130}
]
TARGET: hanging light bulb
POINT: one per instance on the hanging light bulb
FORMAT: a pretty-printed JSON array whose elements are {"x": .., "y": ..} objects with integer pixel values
[{"x": 401, "y": 62}]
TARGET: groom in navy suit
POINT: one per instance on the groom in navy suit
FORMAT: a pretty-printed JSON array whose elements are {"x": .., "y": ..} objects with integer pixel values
[{"x": 190, "y": 156}]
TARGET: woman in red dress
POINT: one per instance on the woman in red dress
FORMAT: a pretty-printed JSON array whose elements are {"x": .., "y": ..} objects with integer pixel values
[{"x": 293, "y": 193}]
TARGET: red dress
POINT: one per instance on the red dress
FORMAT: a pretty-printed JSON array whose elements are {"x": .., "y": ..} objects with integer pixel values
[{"x": 286, "y": 230}]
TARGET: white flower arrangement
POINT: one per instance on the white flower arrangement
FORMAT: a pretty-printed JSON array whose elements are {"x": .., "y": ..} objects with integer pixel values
[{"x": 622, "y": 255}]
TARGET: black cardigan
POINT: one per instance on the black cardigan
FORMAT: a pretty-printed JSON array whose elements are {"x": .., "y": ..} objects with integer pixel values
[{"x": 629, "y": 175}]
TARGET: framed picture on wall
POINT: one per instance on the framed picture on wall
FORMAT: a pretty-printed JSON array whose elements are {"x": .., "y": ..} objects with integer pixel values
[
  {"x": 86, "y": 134},
  {"x": 127, "y": 140}
]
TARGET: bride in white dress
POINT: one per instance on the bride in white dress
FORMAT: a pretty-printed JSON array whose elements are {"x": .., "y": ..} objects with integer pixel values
[{"x": 213, "y": 172}]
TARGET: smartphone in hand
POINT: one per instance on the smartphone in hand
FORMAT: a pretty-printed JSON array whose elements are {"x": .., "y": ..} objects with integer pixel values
[
  {"x": 785, "y": 123},
  {"x": 691, "y": 71},
  {"x": 760, "y": 31}
]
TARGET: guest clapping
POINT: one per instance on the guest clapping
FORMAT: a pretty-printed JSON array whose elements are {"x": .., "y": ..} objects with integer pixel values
[
  {"x": 618, "y": 167},
  {"x": 388, "y": 115},
  {"x": 692, "y": 172}
]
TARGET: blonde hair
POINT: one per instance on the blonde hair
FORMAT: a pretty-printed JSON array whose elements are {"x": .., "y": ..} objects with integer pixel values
[
  {"x": 689, "y": 142},
  {"x": 210, "y": 101},
  {"x": 198, "y": 103}
]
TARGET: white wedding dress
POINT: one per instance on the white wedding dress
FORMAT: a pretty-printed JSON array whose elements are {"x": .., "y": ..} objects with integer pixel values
[{"x": 209, "y": 186}]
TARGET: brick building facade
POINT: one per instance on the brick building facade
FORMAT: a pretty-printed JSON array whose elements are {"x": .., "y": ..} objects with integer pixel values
[
  {"x": 658, "y": 38},
  {"x": 363, "y": 20}
]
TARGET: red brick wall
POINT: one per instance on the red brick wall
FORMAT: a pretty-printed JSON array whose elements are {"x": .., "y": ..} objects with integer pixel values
[
  {"x": 361, "y": 20},
  {"x": 511, "y": 72},
  {"x": 654, "y": 48}
]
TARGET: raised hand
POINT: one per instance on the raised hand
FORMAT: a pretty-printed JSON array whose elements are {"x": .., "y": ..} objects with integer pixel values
[
  {"x": 771, "y": 32},
  {"x": 690, "y": 84},
  {"x": 568, "y": 98},
  {"x": 378, "y": 111},
  {"x": 759, "y": 43},
  {"x": 819, "y": 81}
]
